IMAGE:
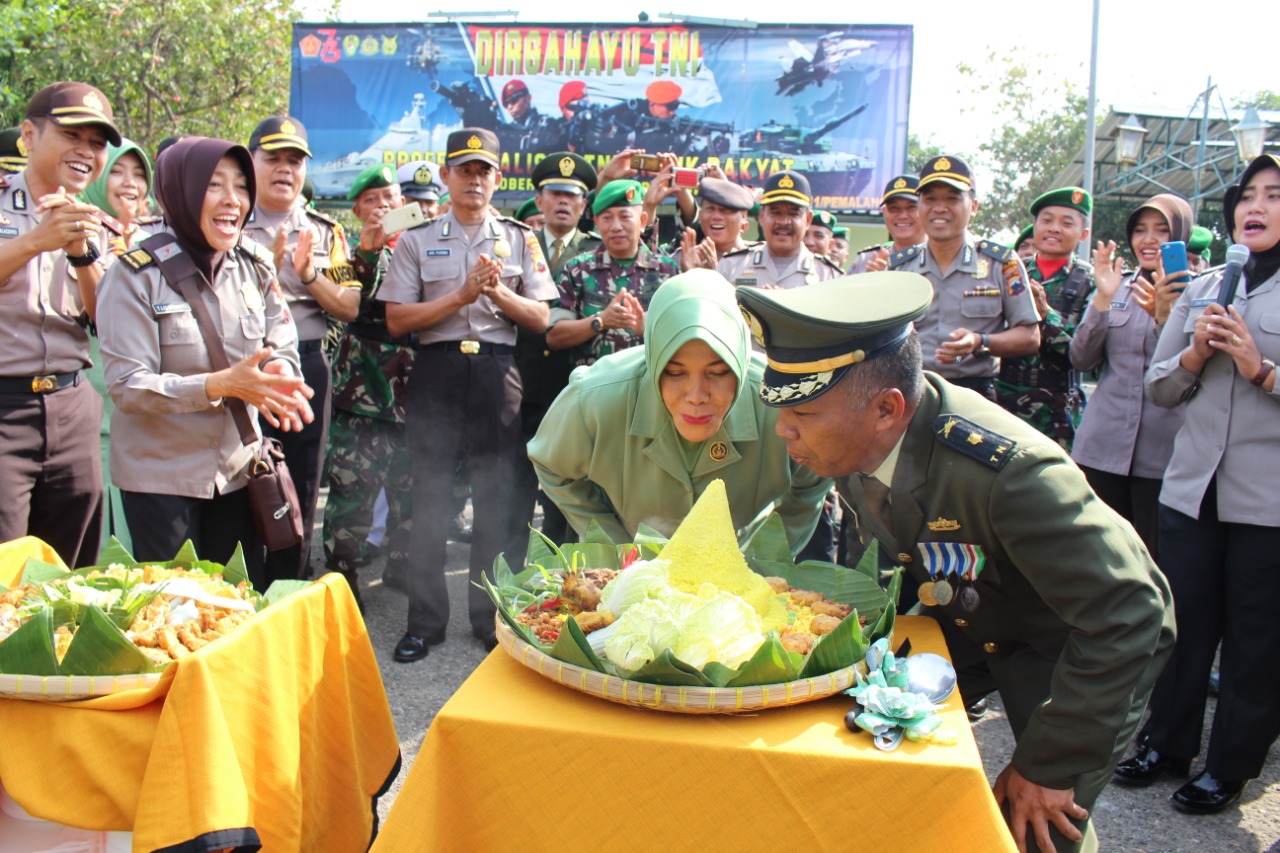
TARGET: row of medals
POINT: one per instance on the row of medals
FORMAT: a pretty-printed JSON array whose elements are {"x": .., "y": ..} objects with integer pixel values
[{"x": 942, "y": 592}]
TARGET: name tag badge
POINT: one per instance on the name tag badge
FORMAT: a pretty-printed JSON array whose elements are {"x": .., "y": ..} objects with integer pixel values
[
  {"x": 8, "y": 231},
  {"x": 1203, "y": 303},
  {"x": 171, "y": 308},
  {"x": 1119, "y": 306},
  {"x": 252, "y": 297},
  {"x": 439, "y": 253}
]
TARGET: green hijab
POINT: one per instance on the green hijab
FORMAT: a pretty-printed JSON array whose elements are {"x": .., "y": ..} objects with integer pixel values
[
  {"x": 96, "y": 193},
  {"x": 696, "y": 305}
]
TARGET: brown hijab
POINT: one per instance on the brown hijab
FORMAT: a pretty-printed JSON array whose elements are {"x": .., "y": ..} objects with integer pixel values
[
  {"x": 1175, "y": 209},
  {"x": 182, "y": 181}
]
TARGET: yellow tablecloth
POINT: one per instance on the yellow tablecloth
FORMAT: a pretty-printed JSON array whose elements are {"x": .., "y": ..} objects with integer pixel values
[
  {"x": 279, "y": 735},
  {"x": 516, "y": 762}
]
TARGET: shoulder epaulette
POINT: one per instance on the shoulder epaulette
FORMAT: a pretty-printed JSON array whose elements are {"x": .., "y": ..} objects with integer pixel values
[
  {"x": 315, "y": 214},
  {"x": 257, "y": 251},
  {"x": 733, "y": 253},
  {"x": 824, "y": 259},
  {"x": 902, "y": 256},
  {"x": 966, "y": 437},
  {"x": 515, "y": 222},
  {"x": 877, "y": 247},
  {"x": 138, "y": 259},
  {"x": 1003, "y": 254}
]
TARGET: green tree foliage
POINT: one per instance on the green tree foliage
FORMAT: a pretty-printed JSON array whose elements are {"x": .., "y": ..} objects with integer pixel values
[
  {"x": 210, "y": 67},
  {"x": 1039, "y": 125}
]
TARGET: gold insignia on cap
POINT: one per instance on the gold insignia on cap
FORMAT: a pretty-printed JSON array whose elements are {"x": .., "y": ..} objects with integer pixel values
[
  {"x": 501, "y": 248},
  {"x": 944, "y": 524},
  {"x": 1077, "y": 197},
  {"x": 566, "y": 166},
  {"x": 942, "y": 165},
  {"x": 93, "y": 102},
  {"x": 719, "y": 450},
  {"x": 288, "y": 127},
  {"x": 631, "y": 194},
  {"x": 22, "y": 147},
  {"x": 386, "y": 174},
  {"x": 757, "y": 330},
  {"x": 785, "y": 182},
  {"x": 858, "y": 356},
  {"x": 474, "y": 143},
  {"x": 422, "y": 176},
  {"x": 900, "y": 183}
]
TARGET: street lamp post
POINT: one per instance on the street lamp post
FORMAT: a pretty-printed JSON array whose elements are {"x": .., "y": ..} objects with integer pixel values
[
  {"x": 1250, "y": 134},
  {"x": 1129, "y": 144}
]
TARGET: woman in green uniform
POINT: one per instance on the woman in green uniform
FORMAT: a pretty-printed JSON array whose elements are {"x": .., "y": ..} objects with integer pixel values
[{"x": 636, "y": 437}]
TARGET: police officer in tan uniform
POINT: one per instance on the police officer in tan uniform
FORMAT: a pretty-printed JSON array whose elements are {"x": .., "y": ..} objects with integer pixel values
[
  {"x": 315, "y": 273},
  {"x": 782, "y": 260},
  {"x": 463, "y": 282},
  {"x": 982, "y": 308},
  {"x": 50, "y": 460}
]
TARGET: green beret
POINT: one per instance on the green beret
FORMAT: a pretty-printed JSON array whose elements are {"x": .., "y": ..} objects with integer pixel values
[
  {"x": 524, "y": 211},
  {"x": 1075, "y": 198},
  {"x": 377, "y": 175},
  {"x": 814, "y": 335},
  {"x": 1201, "y": 237},
  {"x": 840, "y": 232},
  {"x": 1023, "y": 236},
  {"x": 617, "y": 194},
  {"x": 825, "y": 219}
]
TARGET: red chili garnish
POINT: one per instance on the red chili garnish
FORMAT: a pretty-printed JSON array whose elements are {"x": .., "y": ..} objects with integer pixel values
[
  {"x": 552, "y": 603},
  {"x": 630, "y": 557},
  {"x": 552, "y": 635}
]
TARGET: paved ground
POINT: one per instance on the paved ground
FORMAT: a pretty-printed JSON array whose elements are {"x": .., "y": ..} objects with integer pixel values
[{"x": 1127, "y": 819}]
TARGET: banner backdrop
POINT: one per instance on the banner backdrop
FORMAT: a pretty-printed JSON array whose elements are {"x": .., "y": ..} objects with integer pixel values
[{"x": 826, "y": 100}]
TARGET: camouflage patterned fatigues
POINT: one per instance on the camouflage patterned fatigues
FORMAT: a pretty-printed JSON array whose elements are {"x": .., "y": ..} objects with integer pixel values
[
  {"x": 368, "y": 451},
  {"x": 1040, "y": 388},
  {"x": 588, "y": 284}
]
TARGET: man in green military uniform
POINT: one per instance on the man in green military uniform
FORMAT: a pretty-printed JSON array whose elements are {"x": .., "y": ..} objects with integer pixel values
[
  {"x": 563, "y": 180},
  {"x": 1041, "y": 388},
  {"x": 1198, "y": 255},
  {"x": 821, "y": 232},
  {"x": 840, "y": 246},
  {"x": 368, "y": 453},
  {"x": 604, "y": 294},
  {"x": 1042, "y": 591}
]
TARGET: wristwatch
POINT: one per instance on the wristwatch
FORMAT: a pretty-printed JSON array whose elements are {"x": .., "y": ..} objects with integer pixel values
[
  {"x": 90, "y": 255},
  {"x": 984, "y": 347},
  {"x": 1267, "y": 366},
  {"x": 597, "y": 325}
]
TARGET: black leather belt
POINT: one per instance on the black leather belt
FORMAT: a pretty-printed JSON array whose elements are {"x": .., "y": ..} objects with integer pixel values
[
  {"x": 39, "y": 384},
  {"x": 308, "y": 347},
  {"x": 468, "y": 348}
]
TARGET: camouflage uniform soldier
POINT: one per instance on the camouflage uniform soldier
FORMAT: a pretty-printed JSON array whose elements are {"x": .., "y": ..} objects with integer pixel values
[
  {"x": 604, "y": 294},
  {"x": 368, "y": 451},
  {"x": 1040, "y": 388}
]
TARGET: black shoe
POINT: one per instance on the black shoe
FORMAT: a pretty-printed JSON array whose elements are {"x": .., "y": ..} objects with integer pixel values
[
  {"x": 411, "y": 648},
  {"x": 1206, "y": 794},
  {"x": 1148, "y": 765},
  {"x": 487, "y": 637},
  {"x": 977, "y": 710}
]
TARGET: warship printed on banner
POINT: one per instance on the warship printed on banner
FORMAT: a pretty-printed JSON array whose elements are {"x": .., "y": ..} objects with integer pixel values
[{"x": 335, "y": 177}]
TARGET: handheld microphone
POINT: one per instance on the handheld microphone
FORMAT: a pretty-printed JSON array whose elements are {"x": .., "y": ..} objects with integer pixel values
[{"x": 1237, "y": 255}]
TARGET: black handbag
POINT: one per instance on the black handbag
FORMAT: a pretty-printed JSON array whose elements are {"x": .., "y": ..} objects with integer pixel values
[{"x": 273, "y": 498}]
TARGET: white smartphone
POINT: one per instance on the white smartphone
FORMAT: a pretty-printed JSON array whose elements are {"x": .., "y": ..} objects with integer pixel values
[{"x": 405, "y": 216}]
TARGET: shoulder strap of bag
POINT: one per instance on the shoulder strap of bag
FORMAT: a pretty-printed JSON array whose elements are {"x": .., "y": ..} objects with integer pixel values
[{"x": 180, "y": 271}]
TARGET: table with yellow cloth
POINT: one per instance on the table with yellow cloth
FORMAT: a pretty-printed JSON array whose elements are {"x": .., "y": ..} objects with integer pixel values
[
  {"x": 279, "y": 735},
  {"x": 514, "y": 761}
]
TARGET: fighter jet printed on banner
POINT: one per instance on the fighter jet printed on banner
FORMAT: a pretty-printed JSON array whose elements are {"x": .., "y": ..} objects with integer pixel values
[{"x": 817, "y": 65}]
